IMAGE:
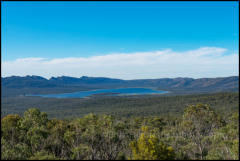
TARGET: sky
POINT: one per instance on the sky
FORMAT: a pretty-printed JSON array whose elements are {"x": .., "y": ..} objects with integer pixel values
[{"x": 127, "y": 40}]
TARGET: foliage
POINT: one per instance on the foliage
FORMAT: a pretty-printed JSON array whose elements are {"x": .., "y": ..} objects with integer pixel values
[
  {"x": 201, "y": 133},
  {"x": 148, "y": 147},
  {"x": 199, "y": 122},
  {"x": 131, "y": 106},
  {"x": 225, "y": 144},
  {"x": 43, "y": 155}
]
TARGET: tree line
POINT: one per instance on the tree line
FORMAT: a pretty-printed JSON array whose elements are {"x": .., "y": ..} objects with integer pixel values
[{"x": 200, "y": 133}]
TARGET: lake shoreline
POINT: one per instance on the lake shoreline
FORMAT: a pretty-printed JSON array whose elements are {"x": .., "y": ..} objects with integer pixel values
[{"x": 105, "y": 92}]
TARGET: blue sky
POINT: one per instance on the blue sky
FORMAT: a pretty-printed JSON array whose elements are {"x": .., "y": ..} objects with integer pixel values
[{"x": 60, "y": 30}]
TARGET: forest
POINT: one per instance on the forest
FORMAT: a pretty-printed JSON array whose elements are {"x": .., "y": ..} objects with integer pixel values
[
  {"x": 169, "y": 106},
  {"x": 179, "y": 127},
  {"x": 199, "y": 133}
]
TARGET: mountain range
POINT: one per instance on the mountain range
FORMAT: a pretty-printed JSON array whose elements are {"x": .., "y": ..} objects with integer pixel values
[{"x": 173, "y": 84}]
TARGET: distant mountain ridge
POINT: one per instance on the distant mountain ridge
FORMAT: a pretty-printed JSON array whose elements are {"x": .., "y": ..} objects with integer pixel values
[{"x": 209, "y": 84}]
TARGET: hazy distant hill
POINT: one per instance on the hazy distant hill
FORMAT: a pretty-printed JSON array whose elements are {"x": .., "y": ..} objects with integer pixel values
[{"x": 175, "y": 84}]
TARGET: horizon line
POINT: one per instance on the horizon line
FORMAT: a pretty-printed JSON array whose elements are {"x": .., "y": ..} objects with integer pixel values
[{"x": 118, "y": 78}]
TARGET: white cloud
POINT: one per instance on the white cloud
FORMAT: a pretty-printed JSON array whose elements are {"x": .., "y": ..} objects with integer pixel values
[{"x": 202, "y": 62}]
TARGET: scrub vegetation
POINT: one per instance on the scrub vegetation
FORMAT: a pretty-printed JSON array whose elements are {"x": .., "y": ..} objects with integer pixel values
[{"x": 199, "y": 133}]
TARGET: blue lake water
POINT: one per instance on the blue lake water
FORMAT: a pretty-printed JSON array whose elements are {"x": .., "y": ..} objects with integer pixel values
[{"x": 105, "y": 92}]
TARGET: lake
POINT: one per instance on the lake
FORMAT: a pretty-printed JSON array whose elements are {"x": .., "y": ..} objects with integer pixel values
[{"x": 104, "y": 92}]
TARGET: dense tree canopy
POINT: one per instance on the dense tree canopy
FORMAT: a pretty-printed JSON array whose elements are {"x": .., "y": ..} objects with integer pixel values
[{"x": 200, "y": 133}]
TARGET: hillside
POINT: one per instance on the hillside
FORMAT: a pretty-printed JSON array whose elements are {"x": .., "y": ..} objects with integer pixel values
[{"x": 16, "y": 85}]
